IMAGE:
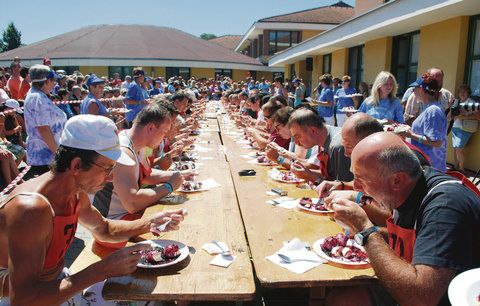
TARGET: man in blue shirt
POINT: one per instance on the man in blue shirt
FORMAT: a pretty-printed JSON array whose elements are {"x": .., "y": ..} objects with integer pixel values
[
  {"x": 135, "y": 100},
  {"x": 157, "y": 89}
]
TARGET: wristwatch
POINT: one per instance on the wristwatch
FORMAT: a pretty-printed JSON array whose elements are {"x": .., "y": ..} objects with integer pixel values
[{"x": 362, "y": 237}]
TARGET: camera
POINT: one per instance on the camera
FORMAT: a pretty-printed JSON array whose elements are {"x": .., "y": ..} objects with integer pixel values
[{"x": 469, "y": 107}]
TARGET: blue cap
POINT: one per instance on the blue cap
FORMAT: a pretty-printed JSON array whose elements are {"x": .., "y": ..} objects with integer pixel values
[
  {"x": 297, "y": 80},
  {"x": 420, "y": 82},
  {"x": 93, "y": 80},
  {"x": 52, "y": 75}
]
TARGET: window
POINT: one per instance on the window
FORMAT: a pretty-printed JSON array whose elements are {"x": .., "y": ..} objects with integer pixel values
[
  {"x": 355, "y": 64},
  {"x": 224, "y": 72},
  {"x": 405, "y": 59},
  {"x": 473, "y": 56},
  {"x": 178, "y": 71},
  {"x": 68, "y": 69},
  {"x": 281, "y": 40},
  {"x": 327, "y": 63},
  {"x": 293, "y": 74},
  {"x": 121, "y": 70}
]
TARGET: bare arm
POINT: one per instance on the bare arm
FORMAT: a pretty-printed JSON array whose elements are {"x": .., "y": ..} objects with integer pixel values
[
  {"x": 47, "y": 136},
  {"x": 126, "y": 186},
  {"x": 26, "y": 266},
  {"x": 408, "y": 284},
  {"x": 93, "y": 109}
]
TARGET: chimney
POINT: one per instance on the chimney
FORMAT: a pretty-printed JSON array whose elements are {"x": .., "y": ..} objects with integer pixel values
[{"x": 362, "y": 6}]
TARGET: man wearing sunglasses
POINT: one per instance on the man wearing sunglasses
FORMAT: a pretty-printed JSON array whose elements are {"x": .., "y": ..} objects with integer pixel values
[{"x": 38, "y": 221}]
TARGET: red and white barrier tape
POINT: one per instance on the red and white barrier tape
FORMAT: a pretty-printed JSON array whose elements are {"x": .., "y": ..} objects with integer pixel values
[{"x": 14, "y": 182}]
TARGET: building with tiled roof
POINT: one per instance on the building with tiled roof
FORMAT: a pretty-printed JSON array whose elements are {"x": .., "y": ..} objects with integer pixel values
[
  {"x": 270, "y": 35},
  {"x": 161, "y": 51},
  {"x": 331, "y": 14},
  {"x": 404, "y": 37},
  {"x": 227, "y": 41}
]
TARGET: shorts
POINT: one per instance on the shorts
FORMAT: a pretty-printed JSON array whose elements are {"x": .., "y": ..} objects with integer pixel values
[
  {"x": 380, "y": 297},
  {"x": 17, "y": 150},
  {"x": 460, "y": 137}
]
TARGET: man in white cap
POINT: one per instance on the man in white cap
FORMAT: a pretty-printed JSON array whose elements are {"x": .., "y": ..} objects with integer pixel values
[{"x": 38, "y": 221}]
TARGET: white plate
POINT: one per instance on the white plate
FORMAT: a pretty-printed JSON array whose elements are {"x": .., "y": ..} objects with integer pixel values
[
  {"x": 190, "y": 191},
  {"x": 313, "y": 210},
  {"x": 465, "y": 288},
  {"x": 184, "y": 251},
  {"x": 265, "y": 164},
  {"x": 398, "y": 129},
  {"x": 318, "y": 249},
  {"x": 348, "y": 110},
  {"x": 289, "y": 182}
]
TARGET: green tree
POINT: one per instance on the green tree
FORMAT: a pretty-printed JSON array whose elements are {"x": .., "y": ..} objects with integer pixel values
[
  {"x": 11, "y": 38},
  {"x": 208, "y": 36}
]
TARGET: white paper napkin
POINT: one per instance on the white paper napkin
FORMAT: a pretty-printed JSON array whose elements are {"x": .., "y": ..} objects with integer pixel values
[
  {"x": 243, "y": 141},
  {"x": 222, "y": 260},
  {"x": 271, "y": 193},
  {"x": 273, "y": 173},
  {"x": 206, "y": 158},
  {"x": 210, "y": 183},
  {"x": 295, "y": 249},
  {"x": 284, "y": 202},
  {"x": 213, "y": 249},
  {"x": 247, "y": 156},
  {"x": 201, "y": 149}
]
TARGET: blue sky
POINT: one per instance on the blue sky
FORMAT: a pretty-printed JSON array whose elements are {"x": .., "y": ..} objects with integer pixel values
[{"x": 37, "y": 21}]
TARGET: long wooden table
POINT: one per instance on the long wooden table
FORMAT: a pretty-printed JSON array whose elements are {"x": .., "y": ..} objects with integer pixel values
[
  {"x": 213, "y": 215},
  {"x": 227, "y": 213},
  {"x": 268, "y": 226}
]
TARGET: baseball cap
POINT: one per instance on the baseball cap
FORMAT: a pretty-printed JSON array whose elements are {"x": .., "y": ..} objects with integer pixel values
[
  {"x": 420, "y": 82},
  {"x": 12, "y": 103},
  {"x": 296, "y": 80},
  {"x": 51, "y": 75},
  {"x": 96, "y": 133},
  {"x": 94, "y": 80}
]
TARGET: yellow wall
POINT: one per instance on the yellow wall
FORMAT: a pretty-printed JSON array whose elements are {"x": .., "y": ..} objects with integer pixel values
[
  {"x": 287, "y": 71},
  {"x": 339, "y": 62},
  {"x": 98, "y": 70},
  {"x": 264, "y": 74},
  {"x": 444, "y": 45},
  {"x": 317, "y": 69},
  {"x": 160, "y": 72},
  {"x": 306, "y": 34},
  {"x": 202, "y": 72},
  {"x": 377, "y": 57},
  {"x": 239, "y": 75}
]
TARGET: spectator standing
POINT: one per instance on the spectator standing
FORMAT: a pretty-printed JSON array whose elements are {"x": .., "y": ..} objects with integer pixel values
[
  {"x": 13, "y": 83},
  {"x": 25, "y": 84},
  {"x": 135, "y": 99},
  {"x": 429, "y": 130},
  {"x": 383, "y": 103},
  {"x": 126, "y": 83},
  {"x": 44, "y": 120},
  {"x": 325, "y": 99},
  {"x": 91, "y": 105},
  {"x": 344, "y": 99},
  {"x": 464, "y": 126}
]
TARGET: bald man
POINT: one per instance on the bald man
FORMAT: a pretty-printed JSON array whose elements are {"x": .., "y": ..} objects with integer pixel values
[
  {"x": 413, "y": 108},
  {"x": 356, "y": 128},
  {"x": 432, "y": 236}
]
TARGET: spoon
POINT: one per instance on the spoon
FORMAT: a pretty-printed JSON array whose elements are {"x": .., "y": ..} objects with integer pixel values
[
  {"x": 162, "y": 227},
  {"x": 224, "y": 252},
  {"x": 287, "y": 259}
]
